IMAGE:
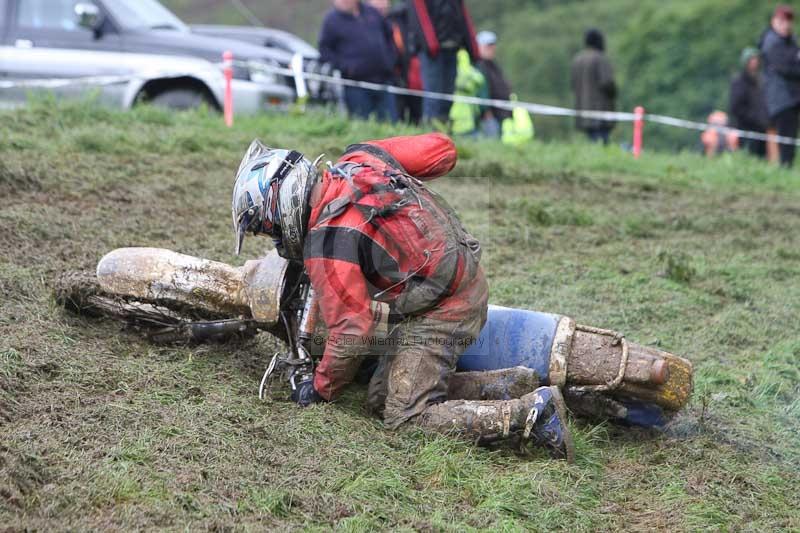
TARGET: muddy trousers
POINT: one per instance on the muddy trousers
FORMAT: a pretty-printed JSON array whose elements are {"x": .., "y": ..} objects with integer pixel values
[{"x": 416, "y": 384}]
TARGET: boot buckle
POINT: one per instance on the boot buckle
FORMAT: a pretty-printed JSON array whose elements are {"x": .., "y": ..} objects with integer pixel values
[{"x": 533, "y": 415}]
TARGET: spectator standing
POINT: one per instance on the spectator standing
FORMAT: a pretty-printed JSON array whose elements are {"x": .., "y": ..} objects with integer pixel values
[
  {"x": 407, "y": 69},
  {"x": 748, "y": 107},
  {"x": 594, "y": 86},
  {"x": 499, "y": 88},
  {"x": 438, "y": 29},
  {"x": 357, "y": 40},
  {"x": 779, "y": 52}
]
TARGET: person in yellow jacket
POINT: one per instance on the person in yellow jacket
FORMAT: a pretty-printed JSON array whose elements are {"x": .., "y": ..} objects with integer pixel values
[
  {"x": 470, "y": 81},
  {"x": 518, "y": 128}
]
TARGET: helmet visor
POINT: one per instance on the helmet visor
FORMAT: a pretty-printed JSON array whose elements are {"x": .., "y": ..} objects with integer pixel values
[
  {"x": 243, "y": 222},
  {"x": 239, "y": 235}
]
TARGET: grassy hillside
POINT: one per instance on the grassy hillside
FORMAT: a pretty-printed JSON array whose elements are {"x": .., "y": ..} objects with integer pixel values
[
  {"x": 102, "y": 430},
  {"x": 302, "y": 17},
  {"x": 674, "y": 58}
]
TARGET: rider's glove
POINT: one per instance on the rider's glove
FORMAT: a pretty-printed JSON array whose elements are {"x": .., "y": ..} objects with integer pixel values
[{"x": 305, "y": 394}]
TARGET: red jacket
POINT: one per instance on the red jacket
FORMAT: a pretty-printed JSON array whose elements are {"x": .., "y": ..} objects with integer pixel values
[{"x": 375, "y": 235}]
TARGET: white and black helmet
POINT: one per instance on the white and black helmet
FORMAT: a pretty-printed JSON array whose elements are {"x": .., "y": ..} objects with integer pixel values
[{"x": 271, "y": 196}]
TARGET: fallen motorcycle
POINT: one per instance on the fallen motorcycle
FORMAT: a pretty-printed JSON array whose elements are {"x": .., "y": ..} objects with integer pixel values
[{"x": 173, "y": 297}]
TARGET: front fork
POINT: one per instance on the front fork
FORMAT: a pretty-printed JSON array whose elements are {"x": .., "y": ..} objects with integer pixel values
[
  {"x": 301, "y": 323},
  {"x": 307, "y": 325}
]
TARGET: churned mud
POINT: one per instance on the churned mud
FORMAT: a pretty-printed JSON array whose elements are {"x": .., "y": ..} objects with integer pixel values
[{"x": 101, "y": 430}]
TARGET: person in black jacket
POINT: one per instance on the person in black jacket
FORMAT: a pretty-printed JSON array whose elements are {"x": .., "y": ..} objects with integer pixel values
[
  {"x": 439, "y": 28},
  {"x": 499, "y": 87},
  {"x": 357, "y": 40},
  {"x": 748, "y": 107},
  {"x": 781, "y": 57}
]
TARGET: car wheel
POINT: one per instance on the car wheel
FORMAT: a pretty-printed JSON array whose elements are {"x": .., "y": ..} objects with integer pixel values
[{"x": 181, "y": 99}]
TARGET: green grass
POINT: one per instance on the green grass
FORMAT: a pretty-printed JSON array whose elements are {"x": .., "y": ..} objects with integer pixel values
[{"x": 101, "y": 430}]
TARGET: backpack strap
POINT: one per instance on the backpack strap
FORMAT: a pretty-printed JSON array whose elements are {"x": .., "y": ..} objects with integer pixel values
[{"x": 346, "y": 171}]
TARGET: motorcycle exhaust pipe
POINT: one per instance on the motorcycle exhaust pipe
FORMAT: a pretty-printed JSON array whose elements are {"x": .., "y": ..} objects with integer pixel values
[
  {"x": 586, "y": 359},
  {"x": 604, "y": 361}
]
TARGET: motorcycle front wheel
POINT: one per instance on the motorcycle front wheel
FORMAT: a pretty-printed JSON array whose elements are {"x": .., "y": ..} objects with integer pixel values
[{"x": 162, "y": 322}]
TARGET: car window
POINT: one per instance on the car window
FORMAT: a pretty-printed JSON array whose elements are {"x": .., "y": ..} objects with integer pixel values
[
  {"x": 48, "y": 15},
  {"x": 144, "y": 14}
]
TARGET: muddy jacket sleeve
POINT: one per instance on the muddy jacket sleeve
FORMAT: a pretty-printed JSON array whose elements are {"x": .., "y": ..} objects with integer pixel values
[
  {"x": 332, "y": 263},
  {"x": 423, "y": 156}
]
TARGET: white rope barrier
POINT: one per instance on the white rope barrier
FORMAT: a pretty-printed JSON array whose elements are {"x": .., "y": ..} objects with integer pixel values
[
  {"x": 57, "y": 83},
  {"x": 300, "y": 77},
  {"x": 536, "y": 109}
]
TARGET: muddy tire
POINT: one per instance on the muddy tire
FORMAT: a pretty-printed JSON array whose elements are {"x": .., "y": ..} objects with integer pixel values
[
  {"x": 75, "y": 291},
  {"x": 80, "y": 292}
]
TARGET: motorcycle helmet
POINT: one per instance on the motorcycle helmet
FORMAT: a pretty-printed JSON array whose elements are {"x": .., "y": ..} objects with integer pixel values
[{"x": 271, "y": 197}]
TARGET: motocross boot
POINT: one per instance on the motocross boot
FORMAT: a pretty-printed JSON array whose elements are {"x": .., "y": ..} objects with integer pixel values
[
  {"x": 546, "y": 422},
  {"x": 538, "y": 416}
]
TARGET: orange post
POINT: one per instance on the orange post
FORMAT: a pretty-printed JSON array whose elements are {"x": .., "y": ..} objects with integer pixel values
[
  {"x": 638, "y": 126},
  {"x": 227, "y": 70}
]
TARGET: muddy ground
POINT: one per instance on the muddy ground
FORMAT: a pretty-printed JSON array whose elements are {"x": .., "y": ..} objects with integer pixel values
[{"x": 99, "y": 429}]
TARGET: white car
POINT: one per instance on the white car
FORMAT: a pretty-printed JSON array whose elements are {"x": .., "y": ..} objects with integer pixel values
[{"x": 131, "y": 51}]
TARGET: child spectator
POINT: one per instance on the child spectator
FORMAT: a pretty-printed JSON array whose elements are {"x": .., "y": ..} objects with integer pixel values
[
  {"x": 717, "y": 138},
  {"x": 499, "y": 88}
]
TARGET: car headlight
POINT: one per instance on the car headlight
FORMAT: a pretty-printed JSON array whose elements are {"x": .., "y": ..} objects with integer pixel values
[
  {"x": 241, "y": 72},
  {"x": 260, "y": 73}
]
